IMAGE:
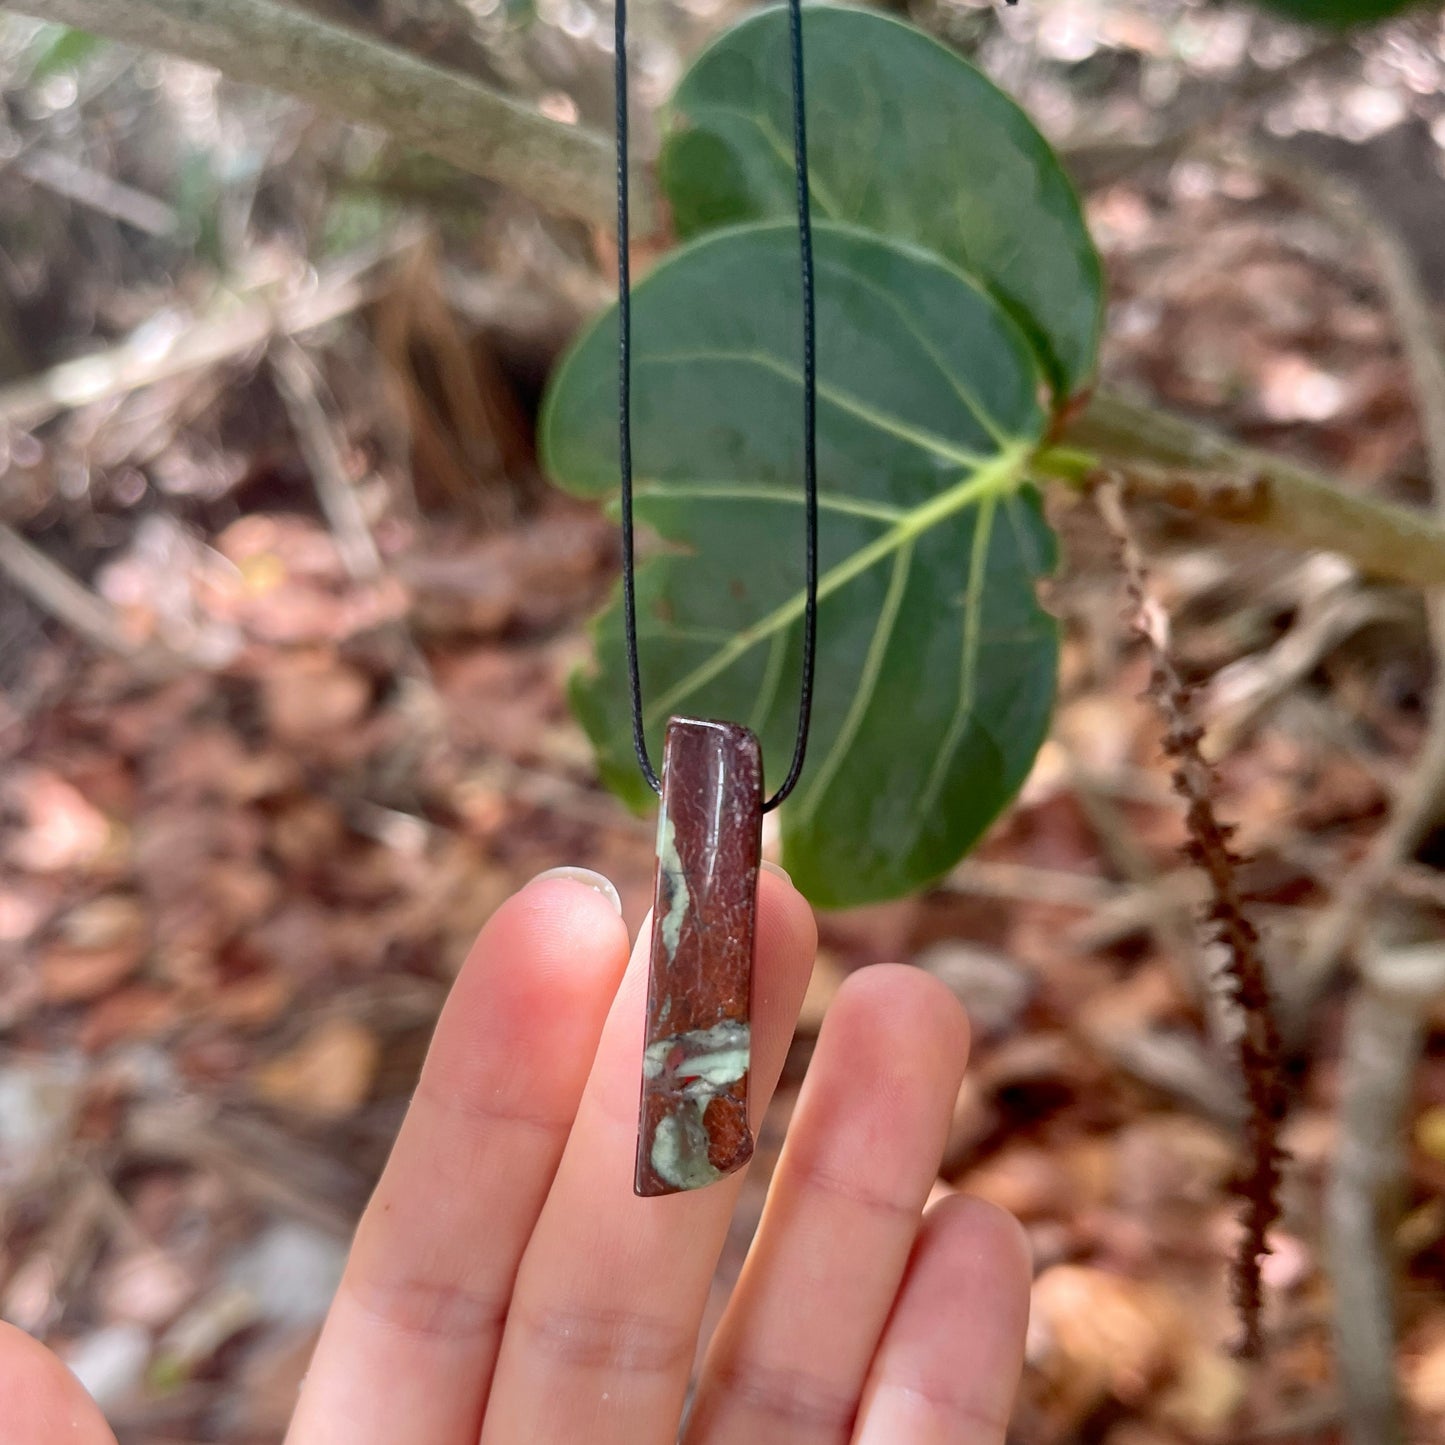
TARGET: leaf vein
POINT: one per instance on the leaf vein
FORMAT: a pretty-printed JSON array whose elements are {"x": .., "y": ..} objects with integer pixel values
[
  {"x": 867, "y": 685},
  {"x": 782, "y": 149},
  {"x": 972, "y": 405},
  {"x": 743, "y": 492},
  {"x": 986, "y": 481},
  {"x": 968, "y": 664},
  {"x": 924, "y": 440},
  {"x": 772, "y": 679}
]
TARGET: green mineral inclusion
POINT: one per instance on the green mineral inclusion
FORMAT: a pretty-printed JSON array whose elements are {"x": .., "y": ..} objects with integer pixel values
[
  {"x": 678, "y": 898},
  {"x": 712, "y": 1059},
  {"x": 679, "y": 1150}
]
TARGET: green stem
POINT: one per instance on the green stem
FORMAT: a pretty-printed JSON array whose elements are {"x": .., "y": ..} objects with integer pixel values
[{"x": 1164, "y": 458}]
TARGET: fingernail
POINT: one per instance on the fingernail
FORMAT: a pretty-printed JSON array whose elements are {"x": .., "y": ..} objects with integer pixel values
[
  {"x": 778, "y": 869},
  {"x": 588, "y": 879}
]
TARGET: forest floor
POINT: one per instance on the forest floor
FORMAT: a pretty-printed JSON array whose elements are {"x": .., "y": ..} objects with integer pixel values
[{"x": 313, "y": 728}]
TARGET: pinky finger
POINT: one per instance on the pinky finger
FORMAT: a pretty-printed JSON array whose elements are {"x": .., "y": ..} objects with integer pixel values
[{"x": 949, "y": 1362}]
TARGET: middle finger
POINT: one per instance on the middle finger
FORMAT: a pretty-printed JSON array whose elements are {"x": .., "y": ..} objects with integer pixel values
[{"x": 792, "y": 1352}]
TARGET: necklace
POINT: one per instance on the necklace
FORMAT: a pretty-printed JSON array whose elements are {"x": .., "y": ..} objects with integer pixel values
[{"x": 693, "y": 1128}]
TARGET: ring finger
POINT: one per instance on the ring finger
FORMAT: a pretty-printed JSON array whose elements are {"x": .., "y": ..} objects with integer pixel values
[{"x": 791, "y": 1356}]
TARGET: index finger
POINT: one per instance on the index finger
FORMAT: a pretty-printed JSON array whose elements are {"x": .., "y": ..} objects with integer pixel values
[
  {"x": 610, "y": 1295},
  {"x": 407, "y": 1352}
]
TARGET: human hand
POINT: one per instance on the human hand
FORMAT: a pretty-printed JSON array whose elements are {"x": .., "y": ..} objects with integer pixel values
[{"x": 505, "y": 1286}]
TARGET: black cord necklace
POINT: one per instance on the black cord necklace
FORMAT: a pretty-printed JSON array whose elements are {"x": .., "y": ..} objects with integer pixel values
[
  {"x": 810, "y": 406},
  {"x": 694, "y": 1127}
]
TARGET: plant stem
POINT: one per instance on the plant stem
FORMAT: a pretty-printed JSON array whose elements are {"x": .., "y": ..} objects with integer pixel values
[
  {"x": 1165, "y": 458},
  {"x": 565, "y": 168},
  {"x": 1416, "y": 807},
  {"x": 1385, "y": 1032}
]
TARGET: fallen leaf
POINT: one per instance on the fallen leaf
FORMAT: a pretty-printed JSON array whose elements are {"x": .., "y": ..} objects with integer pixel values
[
  {"x": 1424, "y": 1372},
  {"x": 1206, "y": 1395},
  {"x": 24, "y": 909},
  {"x": 327, "y": 1075},
  {"x": 109, "y": 921},
  {"x": 307, "y": 832},
  {"x": 1097, "y": 1335},
  {"x": 99, "y": 945},
  {"x": 1024, "y": 1179},
  {"x": 1292, "y": 388},
  {"x": 253, "y": 1001},
  {"x": 137, "y": 1012},
  {"x": 77, "y": 975},
  {"x": 993, "y": 989},
  {"x": 310, "y": 694},
  {"x": 1165, "y": 1163},
  {"x": 1430, "y": 1132},
  {"x": 61, "y": 831}
]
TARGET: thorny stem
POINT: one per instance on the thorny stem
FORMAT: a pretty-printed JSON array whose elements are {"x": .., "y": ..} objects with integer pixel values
[{"x": 1209, "y": 849}]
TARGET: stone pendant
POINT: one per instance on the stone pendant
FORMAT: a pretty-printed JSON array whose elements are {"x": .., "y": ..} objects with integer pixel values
[{"x": 694, "y": 1120}]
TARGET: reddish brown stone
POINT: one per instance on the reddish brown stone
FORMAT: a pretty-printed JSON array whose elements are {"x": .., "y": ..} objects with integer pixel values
[{"x": 694, "y": 1117}]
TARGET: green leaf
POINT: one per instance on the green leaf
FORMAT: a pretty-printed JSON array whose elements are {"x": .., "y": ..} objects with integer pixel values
[
  {"x": 936, "y": 664},
  {"x": 57, "y": 47},
  {"x": 1340, "y": 14},
  {"x": 905, "y": 139}
]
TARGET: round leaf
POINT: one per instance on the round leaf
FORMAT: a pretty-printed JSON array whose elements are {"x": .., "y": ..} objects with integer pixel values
[
  {"x": 1340, "y": 13},
  {"x": 904, "y": 138},
  {"x": 935, "y": 662}
]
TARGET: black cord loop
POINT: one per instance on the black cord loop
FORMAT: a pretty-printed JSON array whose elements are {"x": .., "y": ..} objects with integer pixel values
[{"x": 810, "y": 405}]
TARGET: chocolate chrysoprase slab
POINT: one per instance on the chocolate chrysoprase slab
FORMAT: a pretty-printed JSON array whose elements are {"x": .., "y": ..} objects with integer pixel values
[{"x": 694, "y": 1122}]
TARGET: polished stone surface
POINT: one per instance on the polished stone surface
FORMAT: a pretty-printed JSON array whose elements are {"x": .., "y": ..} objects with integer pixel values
[{"x": 694, "y": 1118}]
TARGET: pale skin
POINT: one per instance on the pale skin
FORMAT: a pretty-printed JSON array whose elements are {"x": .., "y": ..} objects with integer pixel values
[{"x": 505, "y": 1286}]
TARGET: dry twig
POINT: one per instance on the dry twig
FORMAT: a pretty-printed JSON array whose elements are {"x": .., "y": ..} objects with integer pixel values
[
  {"x": 232, "y": 328},
  {"x": 320, "y": 440},
  {"x": 141, "y": 362},
  {"x": 300, "y": 390},
  {"x": 1384, "y": 1035},
  {"x": 56, "y": 592},
  {"x": 453, "y": 116},
  {"x": 569, "y": 169},
  {"x": 101, "y": 193}
]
